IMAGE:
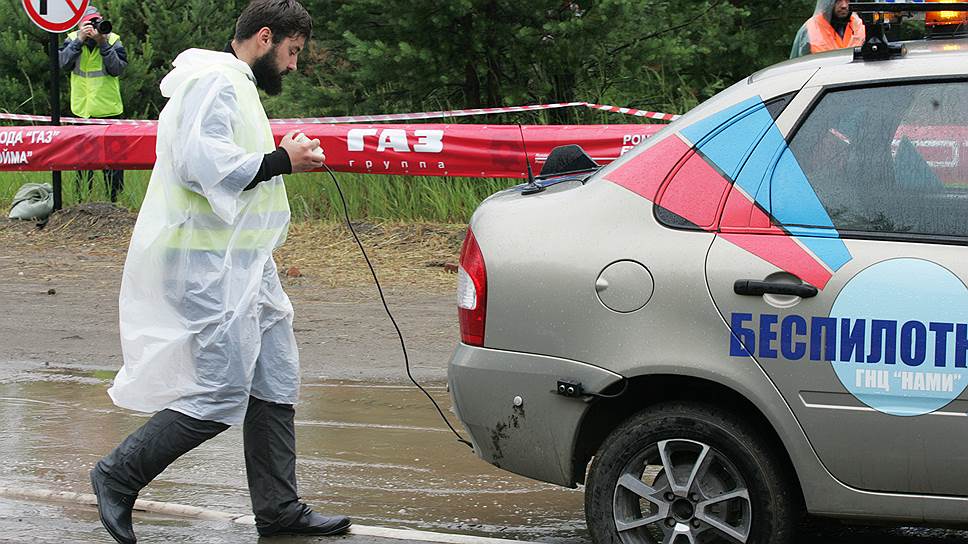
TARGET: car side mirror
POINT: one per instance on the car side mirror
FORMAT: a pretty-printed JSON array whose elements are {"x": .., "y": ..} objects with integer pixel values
[{"x": 567, "y": 159}]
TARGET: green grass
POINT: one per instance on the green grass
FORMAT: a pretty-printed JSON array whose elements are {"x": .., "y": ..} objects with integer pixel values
[{"x": 312, "y": 196}]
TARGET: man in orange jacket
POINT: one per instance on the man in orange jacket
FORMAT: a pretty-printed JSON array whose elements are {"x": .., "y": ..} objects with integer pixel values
[{"x": 832, "y": 26}]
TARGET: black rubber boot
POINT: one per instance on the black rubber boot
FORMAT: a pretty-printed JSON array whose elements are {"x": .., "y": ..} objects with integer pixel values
[
  {"x": 143, "y": 455},
  {"x": 114, "y": 509},
  {"x": 270, "y": 465}
]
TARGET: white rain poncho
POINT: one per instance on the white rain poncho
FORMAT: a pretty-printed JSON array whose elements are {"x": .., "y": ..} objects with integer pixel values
[{"x": 204, "y": 319}]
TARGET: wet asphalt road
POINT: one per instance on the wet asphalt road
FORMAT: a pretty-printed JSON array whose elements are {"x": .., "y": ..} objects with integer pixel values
[
  {"x": 51, "y": 523},
  {"x": 373, "y": 451}
]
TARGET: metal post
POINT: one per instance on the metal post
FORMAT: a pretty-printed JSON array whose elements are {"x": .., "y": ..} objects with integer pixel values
[{"x": 55, "y": 109}]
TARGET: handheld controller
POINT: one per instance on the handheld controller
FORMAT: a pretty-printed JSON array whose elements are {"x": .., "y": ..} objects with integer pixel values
[{"x": 317, "y": 151}]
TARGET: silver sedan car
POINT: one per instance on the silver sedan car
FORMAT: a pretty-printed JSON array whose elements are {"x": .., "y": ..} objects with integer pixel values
[{"x": 758, "y": 313}]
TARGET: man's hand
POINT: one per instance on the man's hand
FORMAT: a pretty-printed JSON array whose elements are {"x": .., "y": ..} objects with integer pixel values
[
  {"x": 302, "y": 155},
  {"x": 86, "y": 31}
]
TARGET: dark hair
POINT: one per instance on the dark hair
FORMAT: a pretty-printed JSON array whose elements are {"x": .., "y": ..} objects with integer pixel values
[{"x": 285, "y": 18}]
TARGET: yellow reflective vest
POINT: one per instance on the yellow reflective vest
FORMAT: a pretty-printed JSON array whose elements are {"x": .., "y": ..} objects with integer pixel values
[
  {"x": 94, "y": 93},
  {"x": 263, "y": 215}
]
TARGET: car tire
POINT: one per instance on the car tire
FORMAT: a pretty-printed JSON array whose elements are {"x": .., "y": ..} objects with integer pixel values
[{"x": 728, "y": 483}]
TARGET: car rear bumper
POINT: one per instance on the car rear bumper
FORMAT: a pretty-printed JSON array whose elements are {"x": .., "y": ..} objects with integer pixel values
[{"x": 534, "y": 437}]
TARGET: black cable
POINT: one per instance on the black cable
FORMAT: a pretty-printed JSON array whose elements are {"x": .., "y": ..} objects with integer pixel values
[
  {"x": 625, "y": 387},
  {"x": 403, "y": 345}
]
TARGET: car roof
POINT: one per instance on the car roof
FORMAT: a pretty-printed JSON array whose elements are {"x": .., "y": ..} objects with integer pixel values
[
  {"x": 924, "y": 58},
  {"x": 918, "y": 50}
]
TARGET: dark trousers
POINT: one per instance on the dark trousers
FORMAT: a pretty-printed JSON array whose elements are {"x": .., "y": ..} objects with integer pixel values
[
  {"x": 113, "y": 180},
  {"x": 270, "y": 456}
]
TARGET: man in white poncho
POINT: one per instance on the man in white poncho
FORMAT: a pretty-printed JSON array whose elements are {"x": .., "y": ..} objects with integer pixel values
[{"x": 206, "y": 328}]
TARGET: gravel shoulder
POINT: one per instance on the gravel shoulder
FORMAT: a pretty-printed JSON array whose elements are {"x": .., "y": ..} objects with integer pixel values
[{"x": 59, "y": 290}]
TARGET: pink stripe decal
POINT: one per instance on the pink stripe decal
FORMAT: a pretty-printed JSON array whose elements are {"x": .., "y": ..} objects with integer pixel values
[
  {"x": 644, "y": 173},
  {"x": 782, "y": 251},
  {"x": 696, "y": 193},
  {"x": 737, "y": 212},
  {"x": 778, "y": 248}
]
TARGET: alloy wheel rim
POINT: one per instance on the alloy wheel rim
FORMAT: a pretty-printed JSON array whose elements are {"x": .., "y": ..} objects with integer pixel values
[{"x": 681, "y": 491}]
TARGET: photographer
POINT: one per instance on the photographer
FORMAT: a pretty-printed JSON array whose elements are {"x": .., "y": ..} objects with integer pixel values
[{"x": 96, "y": 58}]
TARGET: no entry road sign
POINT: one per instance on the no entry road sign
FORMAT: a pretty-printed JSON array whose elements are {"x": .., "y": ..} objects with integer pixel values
[{"x": 55, "y": 15}]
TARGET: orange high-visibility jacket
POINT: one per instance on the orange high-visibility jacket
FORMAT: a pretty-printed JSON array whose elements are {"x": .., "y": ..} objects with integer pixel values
[{"x": 823, "y": 37}]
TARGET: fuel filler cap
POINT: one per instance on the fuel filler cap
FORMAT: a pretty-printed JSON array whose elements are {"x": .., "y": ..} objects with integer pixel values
[{"x": 625, "y": 286}]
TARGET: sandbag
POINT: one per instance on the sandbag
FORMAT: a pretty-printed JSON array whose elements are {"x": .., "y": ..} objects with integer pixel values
[{"x": 33, "y": 201}]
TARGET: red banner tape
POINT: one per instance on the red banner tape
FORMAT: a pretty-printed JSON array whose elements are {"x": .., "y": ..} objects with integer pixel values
[{"x": 488, "y": 151}]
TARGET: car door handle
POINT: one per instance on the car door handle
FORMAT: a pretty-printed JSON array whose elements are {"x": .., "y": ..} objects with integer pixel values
[{"x": 756, "y": 288}]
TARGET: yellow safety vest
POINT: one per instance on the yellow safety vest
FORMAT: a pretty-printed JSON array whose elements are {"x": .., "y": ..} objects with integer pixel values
[
  {"x": 264, "y": 218},
  {"x": 94, "y": 93}
]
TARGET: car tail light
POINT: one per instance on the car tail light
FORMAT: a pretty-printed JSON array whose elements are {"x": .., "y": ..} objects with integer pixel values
[
  {"x": 945, "y": 18},
  {"x": 471, "y": 292}
]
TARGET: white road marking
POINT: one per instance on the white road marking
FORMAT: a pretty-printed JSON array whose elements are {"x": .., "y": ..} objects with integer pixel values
[{"x": 195, "y": 512}]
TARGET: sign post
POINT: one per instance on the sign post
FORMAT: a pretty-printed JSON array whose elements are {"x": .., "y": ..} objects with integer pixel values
[
  {"x": 55, "y": 16},
  {"x": 55, "y": 113}
]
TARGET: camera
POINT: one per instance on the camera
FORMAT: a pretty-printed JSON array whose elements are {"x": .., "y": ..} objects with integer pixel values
[{"x": 102, "y": 25}]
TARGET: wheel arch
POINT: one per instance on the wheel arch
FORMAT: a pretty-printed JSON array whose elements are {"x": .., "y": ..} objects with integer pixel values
[{"x": 649, "y": 390}]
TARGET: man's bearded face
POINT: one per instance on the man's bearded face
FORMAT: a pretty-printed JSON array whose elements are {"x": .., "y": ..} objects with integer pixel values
[
  {"x": 268, "y": 74},
  {"x": 842, "y": 9}
]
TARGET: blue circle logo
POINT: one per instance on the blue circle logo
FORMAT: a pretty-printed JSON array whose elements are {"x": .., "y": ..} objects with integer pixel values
[{"x": 902, "y": 336}]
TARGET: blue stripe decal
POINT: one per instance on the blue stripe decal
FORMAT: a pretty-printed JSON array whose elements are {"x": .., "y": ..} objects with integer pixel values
[
  {"x": 701, "y": 129},
  {"x": 729, "y": 148},
  {"x": 726, "y": 138},
  {"x": 794, "y": 202},
  {"x": 826, "y": 246},
  {"x": 754, "y": 177}
]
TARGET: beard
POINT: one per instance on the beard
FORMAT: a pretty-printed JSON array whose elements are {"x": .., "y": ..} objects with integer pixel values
[
  {"x": 267, "y": 74},
  {"x": 841, "y": 18}
]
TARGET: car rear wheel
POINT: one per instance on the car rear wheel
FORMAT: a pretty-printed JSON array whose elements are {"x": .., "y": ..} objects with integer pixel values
[{"x": 688, "y": 474}]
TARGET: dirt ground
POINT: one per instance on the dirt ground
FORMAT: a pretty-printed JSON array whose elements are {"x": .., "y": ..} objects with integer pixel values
[{"x": 59, "y": 287}]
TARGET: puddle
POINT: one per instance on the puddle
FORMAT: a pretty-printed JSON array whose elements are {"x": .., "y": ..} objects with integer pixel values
[
  {"x": 378, "y": 453},
  {"x": 375, "y": 452}
]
